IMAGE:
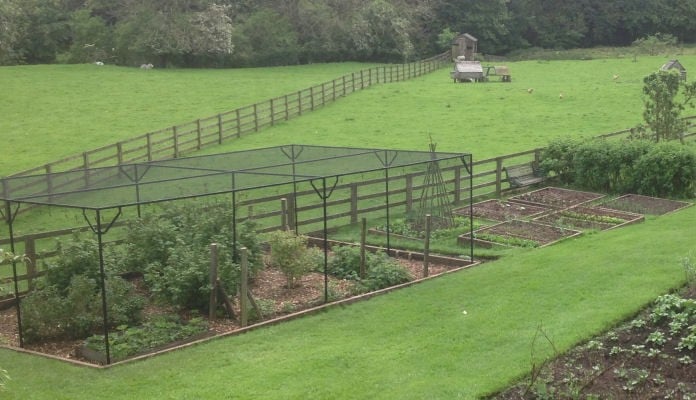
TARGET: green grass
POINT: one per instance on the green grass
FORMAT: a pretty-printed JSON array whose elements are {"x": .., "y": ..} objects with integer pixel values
[
  {"x": 50, "y": 112},
  {"x": 53, "y": 111},
  {"x": 411, "y": 344},
  {"x": 414, "y": 343},
  {"x": 486, "y": 120}
]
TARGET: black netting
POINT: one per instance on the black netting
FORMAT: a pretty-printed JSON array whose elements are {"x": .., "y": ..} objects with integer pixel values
[{"x": 150, "y": 182}]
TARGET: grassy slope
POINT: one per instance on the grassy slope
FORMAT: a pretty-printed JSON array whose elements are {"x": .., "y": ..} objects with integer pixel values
[
  {"x": 52, "y": 111},
  {"x": 484, "y": 119},
  {"x": 415, "y": 343}
]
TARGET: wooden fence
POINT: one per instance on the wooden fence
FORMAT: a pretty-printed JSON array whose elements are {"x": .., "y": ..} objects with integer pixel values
[
  {"x": 179, "y": 140},
  {"x": 350, "y": 201}
]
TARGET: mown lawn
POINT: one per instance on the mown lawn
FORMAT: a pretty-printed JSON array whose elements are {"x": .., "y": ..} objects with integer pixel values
[
  {"x": 414, "y": 343},
  {"x": 53, "y": 111},
  {"x": 50, "y": 112},
  {"x": 411, "y": 344}
]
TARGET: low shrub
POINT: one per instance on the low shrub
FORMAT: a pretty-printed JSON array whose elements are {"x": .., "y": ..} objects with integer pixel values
[
  {"x": 49, "y": 313},
  {"x": 183, "y": 280},
  {"x": 159, "y": 331},
  {"x": 290, "y": 254},
  {"x": 382, "y": 271}
]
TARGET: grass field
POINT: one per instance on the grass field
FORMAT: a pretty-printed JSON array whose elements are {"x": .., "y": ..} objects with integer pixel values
[
  {"x": 50, "y": 112},
  {"x": 53, "y": 111},
  {"x": 412, "y": 344},
  {"x": 418, "y": 342}
]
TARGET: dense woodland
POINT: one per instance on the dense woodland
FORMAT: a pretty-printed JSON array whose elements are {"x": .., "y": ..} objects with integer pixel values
[{"x": 223, "y": 33}]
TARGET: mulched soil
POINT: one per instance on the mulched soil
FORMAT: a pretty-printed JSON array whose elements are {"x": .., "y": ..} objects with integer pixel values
[
  {"x": 556, "y": 197},
  {"x": 269, "y": 288},
  {"x": 585, "y": 218},
  {"x": 500, "y": 210},
  {"x": 640, "y": 204},
  {"x": 541, "y": 233}
]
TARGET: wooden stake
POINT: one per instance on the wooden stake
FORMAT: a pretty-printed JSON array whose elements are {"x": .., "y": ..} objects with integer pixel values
[
  {"x": 363, "y": 237},
  {"x": 426, "y": 250},
  {"x": 213, "y": 280},
  {"x": 243, "y": 288}
]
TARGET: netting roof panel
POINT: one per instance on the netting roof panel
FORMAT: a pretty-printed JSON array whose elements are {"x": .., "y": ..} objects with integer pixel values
[{"x": 131, "y": 184}]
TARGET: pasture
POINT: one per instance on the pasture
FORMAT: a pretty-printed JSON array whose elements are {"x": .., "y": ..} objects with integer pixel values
[{"x": 417, "y": 342}]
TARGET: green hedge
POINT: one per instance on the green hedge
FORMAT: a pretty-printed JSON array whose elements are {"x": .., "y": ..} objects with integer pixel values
[{"x": 666, "y": 169}]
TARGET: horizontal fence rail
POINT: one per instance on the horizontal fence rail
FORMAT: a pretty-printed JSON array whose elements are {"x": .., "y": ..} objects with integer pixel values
[
  {"x": 349, "y": 202},
  {"x": 178, "y": 140}
]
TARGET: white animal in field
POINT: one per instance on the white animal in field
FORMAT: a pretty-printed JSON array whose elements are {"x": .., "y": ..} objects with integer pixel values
[
  {"x": 530, "y": 90},
  {"x": 615, "y": 77},
  {"x": 560, "y": 95},
  {"x": 147, "y": 66},
  {"x": 99, "y": 63}
]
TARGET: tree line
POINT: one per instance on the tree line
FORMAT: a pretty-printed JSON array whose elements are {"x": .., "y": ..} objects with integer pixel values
[{"x": 191, "y": 33}]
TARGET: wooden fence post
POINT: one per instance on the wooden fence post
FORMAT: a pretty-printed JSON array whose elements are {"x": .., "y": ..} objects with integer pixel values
[
  {"x": 311, "y": 98},
  {"x": 287, "y": 111},
  {"x": 272, "y": 114},
  {"x": 284, "y": 214},
  {"x": 457, "y": 184},
  {"x": 30, "y": 252},
  {"x": 363, "y": 240},
  {"x": 175, "y": 138},
  {"x": 299, "y": 103},
  {"x": 291, "y": 210},
  {"x": 119, "y": 153},
  {"x": 148, "y": 139},
  {"x": 85, "y": 166},
  {"x": 213, "y": 280},
  {"x": 239, "y": 125},
  {"x": 323, "y": 95},
  {"x": 409, "y": 193},
  {"x": 198, "y": 134},
  {"x": 243, "y": 288},
  {"x": 426, "y": 247},
  {"x": 256, "y": 118},
  {"x": 353, "y": 203},
  {"x": 498, "y": 176}
]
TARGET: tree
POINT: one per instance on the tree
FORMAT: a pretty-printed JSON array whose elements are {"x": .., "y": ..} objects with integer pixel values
[
  {"x": 12, "y": 28},
  {"x": 662, "y": 112},
  {"x": 381, "y": 31}
]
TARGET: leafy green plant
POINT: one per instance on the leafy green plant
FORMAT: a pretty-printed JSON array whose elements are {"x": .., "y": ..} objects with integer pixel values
[
  {"x": 383, "y": 271},
  {"x": 507, "y": 240},
  {"x": 183, "y": 280},
  {"x": 49, "y": 313},
  {"x": 78, "y": 256},
  {"x": 290, "y": 254},
  {"x": 158, "y": 331}
]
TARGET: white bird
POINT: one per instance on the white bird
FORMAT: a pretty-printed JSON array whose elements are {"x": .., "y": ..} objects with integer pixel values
[
  {"x": 615, "y": 77},
  {"x": 560, "y": 96},
  {"x": 530, "y": 90}
]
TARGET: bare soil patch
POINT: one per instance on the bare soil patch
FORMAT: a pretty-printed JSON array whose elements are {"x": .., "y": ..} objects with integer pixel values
[
  {"x": 542, "y": 234},
  {"x": 640, "y": 204},
  {"x": 556, "y": 197},
  {"x": 269, "y": 289},
  {"x": 500, "y": 210},
  {"x": 584, "y": 218}
]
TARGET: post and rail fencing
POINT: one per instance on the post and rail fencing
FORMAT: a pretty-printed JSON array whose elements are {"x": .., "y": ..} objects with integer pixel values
[
  {"x": 179, "y": 140},
  {"x": 350, "y": 202}
]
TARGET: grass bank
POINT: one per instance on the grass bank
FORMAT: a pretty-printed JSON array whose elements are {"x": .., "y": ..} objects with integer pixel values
[{"x": 459, "y": 336}]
